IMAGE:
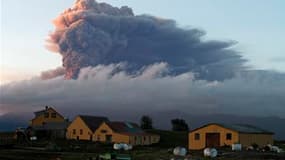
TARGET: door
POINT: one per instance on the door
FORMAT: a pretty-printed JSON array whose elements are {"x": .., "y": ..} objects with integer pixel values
[
  {"x": 109, "y": 138},
  {"x": 212, "y": 139}
]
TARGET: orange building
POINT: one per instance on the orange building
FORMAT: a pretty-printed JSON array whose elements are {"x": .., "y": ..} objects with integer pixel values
[
  {"x": 217, "y": 135},
  {"x": 83, "y": 127},
  {"x": 48, "y": 123},
  {"x": 48, "y": 115},
  {"x": 100, "y": 129},
  {"x": 124, "y": 132}
]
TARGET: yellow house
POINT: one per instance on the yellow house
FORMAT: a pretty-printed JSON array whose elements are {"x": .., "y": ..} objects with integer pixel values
[
  {"x": 124, "y": 132},
  {"x": 48, "y": 123},
  {"x": 83, "y": 127},
  {"x": 217, "y": 135},
  {"x": 48, "y": 115}
]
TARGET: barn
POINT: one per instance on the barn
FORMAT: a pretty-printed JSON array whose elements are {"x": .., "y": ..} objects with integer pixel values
[{"x": 217, "y": 135}]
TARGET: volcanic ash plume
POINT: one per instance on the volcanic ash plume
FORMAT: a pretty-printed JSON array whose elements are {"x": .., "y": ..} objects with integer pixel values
[
  {"x": 92, "y": 33},
  {"x": 59, "y": 71}
]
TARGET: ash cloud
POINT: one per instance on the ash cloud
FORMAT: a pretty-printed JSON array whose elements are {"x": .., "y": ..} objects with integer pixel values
[
  {"x": 49, "y": 74},
  {"x": 92, "y": 33},
  {"x": 110, "y": 89}
]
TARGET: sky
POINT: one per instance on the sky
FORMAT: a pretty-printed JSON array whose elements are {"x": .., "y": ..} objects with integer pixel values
[{"x": 257, "y": 26}]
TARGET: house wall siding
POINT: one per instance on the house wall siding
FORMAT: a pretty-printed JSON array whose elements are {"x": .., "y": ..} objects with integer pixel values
[
  {"x": 155, "y": 139},
  {"x": 201, "y": 143},
  {"x": 259, "y": 139},
  {"x": 104, "y": 129},
  {"x": 38, "y": 121},
  {"x": 144, "y": 139},
  {"x": 78, "y": 124}
]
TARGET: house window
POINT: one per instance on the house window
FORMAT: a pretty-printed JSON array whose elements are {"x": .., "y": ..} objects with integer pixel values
[
  {"x": 98, "y": 138},
  {"x": 46, "y": 114},
  {"x": 103, "y": 131},
  {"x": 144, "y": 138},
  {"x": 229, "y": 136},
  {"x": 74, "y": 131},
  {"x": 197, "y": 136},
  {"x": 81, "y": 131},
  {"x": 53, "y": 115}
]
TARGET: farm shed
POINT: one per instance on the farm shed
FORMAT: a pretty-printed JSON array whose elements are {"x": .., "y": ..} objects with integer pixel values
[{"x": 217, "y": 135}]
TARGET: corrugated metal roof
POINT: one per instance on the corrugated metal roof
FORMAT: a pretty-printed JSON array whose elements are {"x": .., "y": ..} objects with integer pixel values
[
  {"x": 241, "y": 128},
  {"x": 125, "y": 127},
  {"x": 245, "y": 128}
]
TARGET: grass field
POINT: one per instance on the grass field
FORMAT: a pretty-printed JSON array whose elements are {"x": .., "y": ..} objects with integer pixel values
[
  {"x": 85, "y": 150},
  {"x": 137, "y": 154}
]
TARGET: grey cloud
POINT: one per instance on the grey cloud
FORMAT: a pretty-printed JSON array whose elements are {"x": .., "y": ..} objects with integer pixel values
[
  {"x": 278, "y": 59},
  {"x": 110, "y": 88}
]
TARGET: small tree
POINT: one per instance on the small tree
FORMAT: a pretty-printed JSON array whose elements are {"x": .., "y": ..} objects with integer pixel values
[
  {"x": 179, "y": 125},
  {"x": 146, "y": 122}
]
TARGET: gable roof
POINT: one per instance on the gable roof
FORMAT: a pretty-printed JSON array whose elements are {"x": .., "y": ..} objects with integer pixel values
[
  {"x": 241, "y": 128},
  {"x": 126, "y": 128},
  {"x": 41, "y": 112},
  {"x": 38, "y": 113},
  {"x": 93, "y": 122}
]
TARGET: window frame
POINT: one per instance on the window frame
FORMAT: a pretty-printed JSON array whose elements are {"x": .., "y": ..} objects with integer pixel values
[
  {"x": 103, "y": 131},
  {"x": 53, "y": 115},
  {"x": 46, "y": 114},
  {"x": 229, "y": 136},
  {"x": 197, "y": 136}
]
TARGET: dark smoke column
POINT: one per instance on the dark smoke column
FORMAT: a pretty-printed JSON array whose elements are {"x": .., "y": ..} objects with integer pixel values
[
  {"x": 80, "y": 42},
  {"x": 92, "y": 33}
]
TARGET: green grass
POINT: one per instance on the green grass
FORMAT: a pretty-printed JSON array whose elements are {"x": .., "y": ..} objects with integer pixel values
[
  {"x": 142, "y": 153},
  {"x": 169, "y": 139}
]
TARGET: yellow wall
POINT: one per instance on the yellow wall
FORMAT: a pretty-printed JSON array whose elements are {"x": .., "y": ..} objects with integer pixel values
[
  {"x": 144, "y": 139},
  {"x": 200, "y": 144},
  {"x": 104, "y": 130},
  {"x": 260, "y": 139},
  {"x": 38, "y": 121},
  {"x": 78, "y": 124},
  {"x": 155, "y": 139}
]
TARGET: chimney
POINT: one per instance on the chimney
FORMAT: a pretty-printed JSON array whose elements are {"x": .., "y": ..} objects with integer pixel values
[{"x": 46, "y": 107}]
